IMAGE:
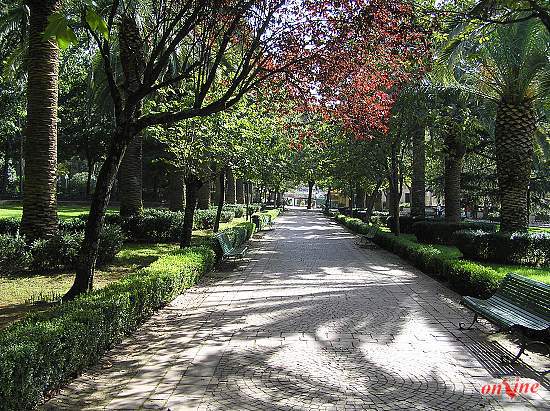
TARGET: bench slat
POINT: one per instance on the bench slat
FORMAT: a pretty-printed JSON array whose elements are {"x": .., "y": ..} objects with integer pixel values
[{"x": 518, "y": 301}]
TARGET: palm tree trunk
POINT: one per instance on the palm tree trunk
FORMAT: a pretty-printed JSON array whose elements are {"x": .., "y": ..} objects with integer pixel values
[
  {"x": 231, "y": 196},
  {"x": 454, "y": 158},
  {"x": 418, "y": 189},
  {"x": 192, "y": 187},
  {"x": 240, "y": 191},
  {"x": 39, "y": 200},
  {"x": 130, "y": 179},
  {"x": 177, "y": 190},
  {"x": 515, "y": 125}
]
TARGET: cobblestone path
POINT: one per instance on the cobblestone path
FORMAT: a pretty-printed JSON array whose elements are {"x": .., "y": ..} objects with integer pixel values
[{"x": 311, "y": 322}]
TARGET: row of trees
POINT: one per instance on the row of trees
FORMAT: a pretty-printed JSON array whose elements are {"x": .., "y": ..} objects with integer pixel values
[{"x": 347, "y": 94}]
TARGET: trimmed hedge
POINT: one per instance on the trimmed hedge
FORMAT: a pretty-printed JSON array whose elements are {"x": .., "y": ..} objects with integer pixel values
[
  {"x": 465, "y": 277},
  {"x": 531, "y": 249},
  {"x": 441, "y": 232},
  {"x": 46, "y": 350}
]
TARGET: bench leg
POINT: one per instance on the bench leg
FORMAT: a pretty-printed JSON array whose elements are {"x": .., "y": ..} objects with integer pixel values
[{"x": 461, "y": 325}]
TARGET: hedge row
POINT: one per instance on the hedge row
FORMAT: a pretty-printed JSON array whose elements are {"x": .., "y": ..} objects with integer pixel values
[
  {"x": 531, "y": 249},
  {"x": 441, "y": 232},
  {"x": 465, "y": 277},
  {"x": 46, "y": 350}
]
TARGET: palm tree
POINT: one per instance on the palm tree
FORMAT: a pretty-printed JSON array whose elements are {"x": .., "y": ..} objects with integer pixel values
[
  {"x": 39, "y": 200},
  {"x": 511, "y": 66},
  {"x": 130, "y": 179},
  {"x": 231, "y": 196}
]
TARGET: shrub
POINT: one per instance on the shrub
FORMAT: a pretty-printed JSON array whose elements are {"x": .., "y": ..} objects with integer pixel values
[
  {"x": 47, "y": 349},
  {"x": 111, "y": 242},
  {"x": 236, "y": 209},
  {"x": 55, "y": 253},
  {"x": 518, "y": 248},
  {"x": 465, "y": 277},
  {"x": 152, "y": 226},
  {"x": 204, "y": 219},
  {"x": 61, "y": 251},
  {"x": 10, "y": 226},
  {"x": 73, "y": 225},
  {"x": 405, "y": 223},
  {"x": 15, "y": 255},
  {"x": 441, "y": 232}
]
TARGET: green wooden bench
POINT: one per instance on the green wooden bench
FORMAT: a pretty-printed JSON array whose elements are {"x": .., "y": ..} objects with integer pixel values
[
  {"x": 228, "y": 250},
  {"x": 519, "y": 305},
  {"x": 365, "y": 240}
]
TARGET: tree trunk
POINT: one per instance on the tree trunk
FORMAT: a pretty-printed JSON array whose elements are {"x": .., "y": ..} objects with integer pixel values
[
  {"x": 89, "y": 179},
  {"x": 454, "y": 156},
  {"x": 371, "y": 199},
  {"x": 231, "y": 188},
  {"x": 240, "y": 191},
  {"x": 329, "y": 195},
  {"x": 515, "y": 125},
  {"x": 100, "y": 200},
  {"x": 4, "y": 180},
  {"x": 418, "y": 189},
  {"x": 247, "y": 199},
  {"x": 217, "y": 188},
  {"x": 192, "y": 187},
  {"x": 221, "y": 198},
  {"x": 395, "y": 196},
  {"x": 130, "y": 179},
  {"x": 204, "y": 196},
  {"x": 310, "y": 195},
  {"x": 39, "y": 200},
  {"x": 360, "y": 200},
  {"x": 177, "y": 190}
]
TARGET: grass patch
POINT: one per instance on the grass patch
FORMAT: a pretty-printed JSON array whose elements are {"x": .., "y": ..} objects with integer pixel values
[
  {"x": 63, "y": 211},
  {"x": 19, "y": 294}
]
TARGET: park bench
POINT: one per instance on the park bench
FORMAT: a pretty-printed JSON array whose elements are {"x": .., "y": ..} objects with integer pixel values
[
  {"x": 520, "y": 305},
  {"x": 367, "y": 239},
  {"x": 228, "y": 250}
]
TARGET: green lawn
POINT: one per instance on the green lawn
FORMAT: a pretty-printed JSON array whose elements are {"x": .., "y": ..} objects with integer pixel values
[
  {"x": 64, "y": 211},
  {"x": 19, "y": 294}
]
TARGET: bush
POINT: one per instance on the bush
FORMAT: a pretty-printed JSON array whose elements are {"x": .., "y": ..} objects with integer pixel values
[
  {"x": 440, "y": 232},
  {"x": 44, "y": 351},
  {"x": 531, "y": 249},
  {"x": 405, "y": 223},
  {"x": 236, "y": 209},
  {"x": 15, "y": 255},
  {"x": 73, "y": 225},
  {"x": 111, "y": 242},
  {"x": 10, "y": 226},
  {"x": 55, "y": 253},
  {"x": 152, "y": 226},
  {"x": 61, "y": 251},
  {"x": 465, "y": 277}
]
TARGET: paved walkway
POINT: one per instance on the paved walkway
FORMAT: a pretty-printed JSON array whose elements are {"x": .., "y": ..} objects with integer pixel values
[{"x": 312, "y": 322}]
